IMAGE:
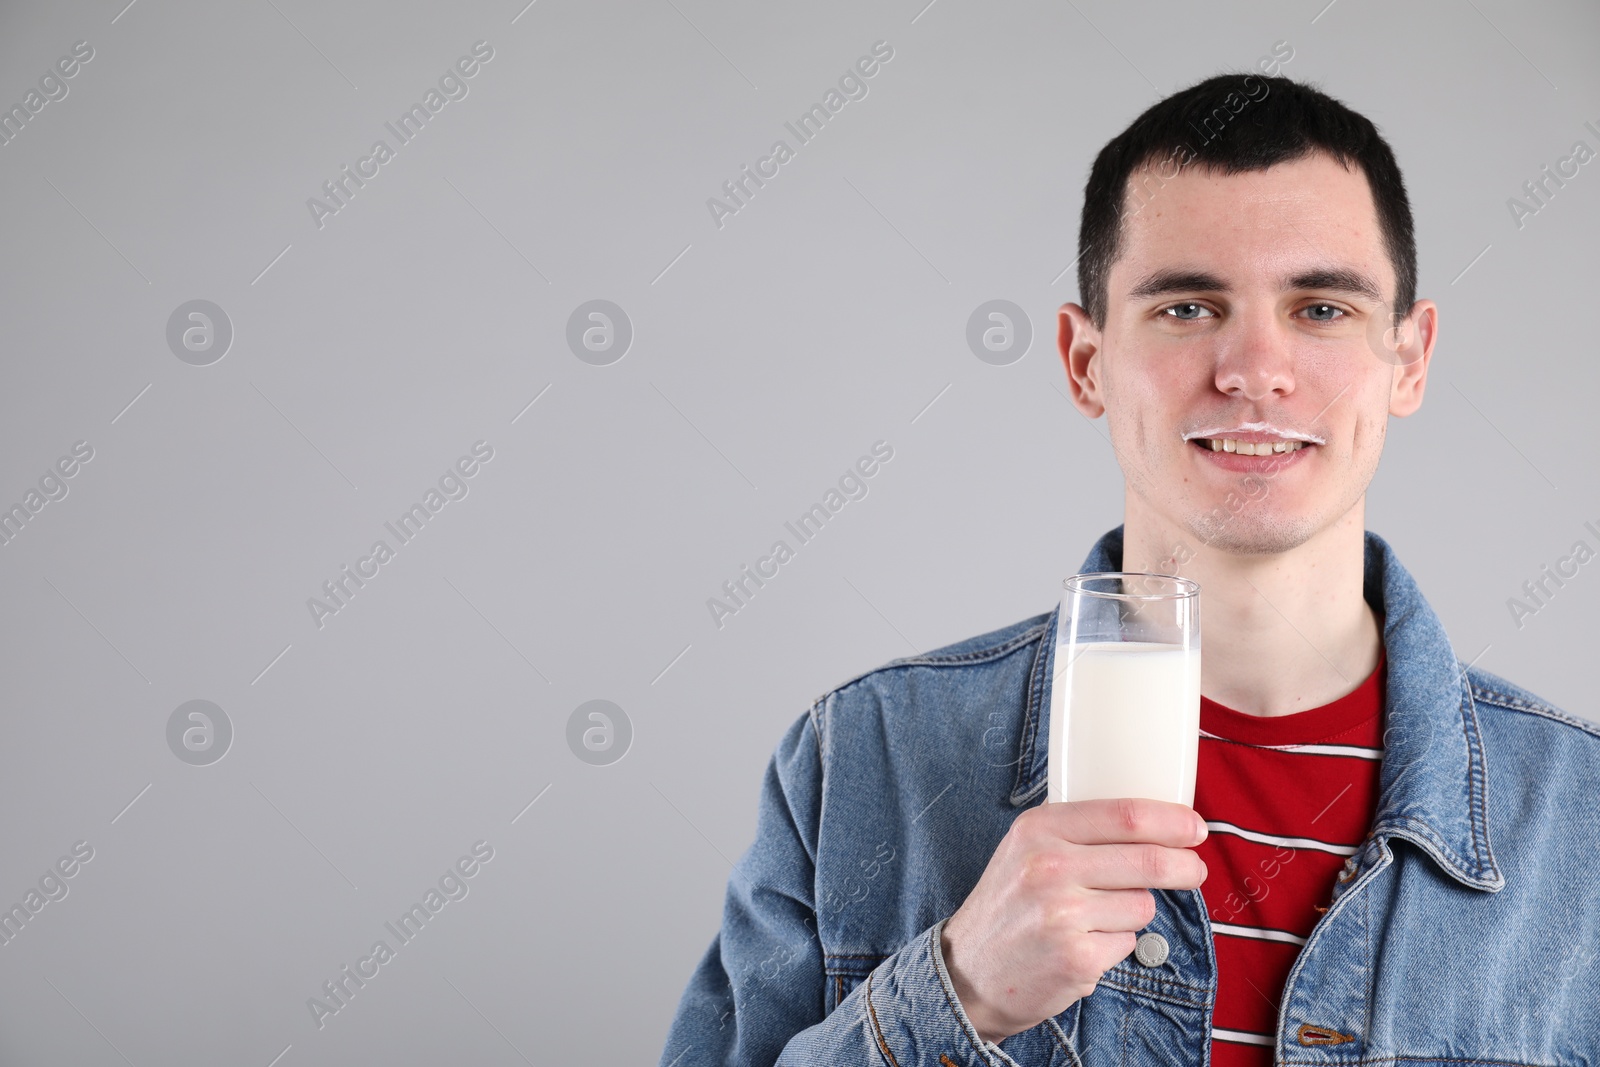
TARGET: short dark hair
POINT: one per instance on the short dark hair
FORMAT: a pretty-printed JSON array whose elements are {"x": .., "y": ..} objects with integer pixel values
[{"x": 1232, "y": 123}]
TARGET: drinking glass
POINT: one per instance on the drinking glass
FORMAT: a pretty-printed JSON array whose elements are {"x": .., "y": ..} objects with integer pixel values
[{"x": 1125, "y": 698}]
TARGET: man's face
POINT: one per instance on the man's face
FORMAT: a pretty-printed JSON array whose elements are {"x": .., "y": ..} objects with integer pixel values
[{"x": 1254, "y": 303}]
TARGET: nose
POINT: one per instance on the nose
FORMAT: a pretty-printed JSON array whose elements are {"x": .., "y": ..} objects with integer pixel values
[{"x": 1256, "y": 359}]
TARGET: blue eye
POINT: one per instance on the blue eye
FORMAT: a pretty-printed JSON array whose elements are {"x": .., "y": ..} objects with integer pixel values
[
  {"x": 1185, "y": 308},
  {"x": 1324, "y": 307}
]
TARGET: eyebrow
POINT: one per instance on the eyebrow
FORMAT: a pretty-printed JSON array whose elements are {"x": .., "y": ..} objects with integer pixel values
[{"x": 1335, "y": 279}]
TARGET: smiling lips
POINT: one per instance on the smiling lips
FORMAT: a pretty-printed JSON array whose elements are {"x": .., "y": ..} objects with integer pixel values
[{"x": 1252, "y": 439}]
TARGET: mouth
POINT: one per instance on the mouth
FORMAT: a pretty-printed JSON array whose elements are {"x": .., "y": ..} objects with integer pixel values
[
  {"x": 1253, "y": 453},
  {"x": 1253, "y": 447},
  {"x": 1245, "y": 447}
]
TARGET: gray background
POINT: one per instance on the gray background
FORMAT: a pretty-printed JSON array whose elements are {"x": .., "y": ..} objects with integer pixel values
[{"x": 768, "y": 355}]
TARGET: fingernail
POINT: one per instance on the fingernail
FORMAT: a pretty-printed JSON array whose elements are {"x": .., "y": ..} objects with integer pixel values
[{"x": 1201, "y": 834}]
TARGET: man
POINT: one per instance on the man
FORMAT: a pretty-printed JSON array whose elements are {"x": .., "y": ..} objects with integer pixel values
[{"x": 1389, "y": 858}]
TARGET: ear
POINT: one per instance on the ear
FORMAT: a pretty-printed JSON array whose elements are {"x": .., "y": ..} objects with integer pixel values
[
  {"x": 1079, "y": 342},
  {"x": 1413, "y": 350}
]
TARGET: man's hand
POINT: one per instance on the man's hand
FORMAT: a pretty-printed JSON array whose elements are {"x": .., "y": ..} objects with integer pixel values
[{"x": 1061, "y": 902}]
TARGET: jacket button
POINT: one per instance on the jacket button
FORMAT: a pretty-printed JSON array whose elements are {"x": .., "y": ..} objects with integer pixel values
[{"x": 1151, "y": 949}]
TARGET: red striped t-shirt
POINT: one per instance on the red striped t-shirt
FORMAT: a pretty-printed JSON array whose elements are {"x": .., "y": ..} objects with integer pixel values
[{"x": 1287, "y": 799}]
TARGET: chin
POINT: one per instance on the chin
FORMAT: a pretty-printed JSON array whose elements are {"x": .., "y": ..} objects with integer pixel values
[{"x": 1243, "y": 535}]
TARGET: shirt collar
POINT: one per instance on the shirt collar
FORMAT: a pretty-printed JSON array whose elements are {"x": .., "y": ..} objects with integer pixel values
[{"x": 1434, "y": 771}]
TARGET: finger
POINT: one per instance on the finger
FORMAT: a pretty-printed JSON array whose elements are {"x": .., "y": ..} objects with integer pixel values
[
  {"x": 1116, "y": 911},
  {"x": 1098, "y": 822},
  {"x": 1139, "y": 866}
]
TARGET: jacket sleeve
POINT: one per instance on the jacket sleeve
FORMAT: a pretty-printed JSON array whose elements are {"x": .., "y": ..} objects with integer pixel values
[{"x": 757, "y": 996}]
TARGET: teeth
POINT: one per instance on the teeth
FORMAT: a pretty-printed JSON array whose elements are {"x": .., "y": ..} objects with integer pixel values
[{"x": 1247, "y": 448}]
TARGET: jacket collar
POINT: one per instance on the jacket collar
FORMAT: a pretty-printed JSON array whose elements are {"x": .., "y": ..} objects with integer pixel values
[{"x": 1434, "y": 772}]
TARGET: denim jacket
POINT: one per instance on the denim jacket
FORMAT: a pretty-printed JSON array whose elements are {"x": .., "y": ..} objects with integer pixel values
[{"x": 1466, "y": 928}]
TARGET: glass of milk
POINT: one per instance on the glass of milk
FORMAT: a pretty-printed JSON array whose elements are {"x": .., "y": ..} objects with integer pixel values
[{"x": 1125, "y": 696}]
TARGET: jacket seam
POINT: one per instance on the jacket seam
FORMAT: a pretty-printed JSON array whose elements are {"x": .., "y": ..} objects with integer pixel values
[
  {"x": 936, "y": 961},
  {"x": 1132, "y": 977},
  {"x": 1496, "y": 698},
  {"x": 1059, "y": 1036},
  {"x": 1478, "y": 794},
  {"x": 981, "y": 655},
  {"x": 1368, "y": 978},
  {"x": 877, "y": 1031},
  {"x": 972, "y": 1038},
  {"x": 1318, "y": 934},
  {"x": 1122, "y": 1038},
  {"x": 1427, "y": 832},
  {"x": 1032, "y": 716},
  {"x": 1544, "y": 711},
  {"x": 1159, "y": 992}
]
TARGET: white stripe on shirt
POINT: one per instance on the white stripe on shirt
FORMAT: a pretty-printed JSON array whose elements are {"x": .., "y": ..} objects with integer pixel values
[
  {"x": 1286, "y": 842},
  {"x": 1264, "y": 933},
  {"x": 1242, "y": 1036},
  {"x": 1359, "y": 751}
]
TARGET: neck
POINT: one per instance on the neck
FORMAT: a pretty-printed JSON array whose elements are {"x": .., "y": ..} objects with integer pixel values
[{"x": 1281, "y": 632}]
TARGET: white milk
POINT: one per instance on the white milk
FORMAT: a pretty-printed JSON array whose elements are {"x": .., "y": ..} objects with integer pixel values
[{"x": 1124, "y": 722}]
